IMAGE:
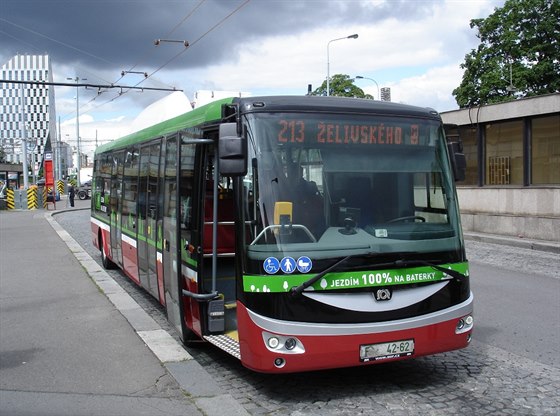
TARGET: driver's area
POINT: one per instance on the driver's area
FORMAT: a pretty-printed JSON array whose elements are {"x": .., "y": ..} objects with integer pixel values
[{"x": 300, "y": 193}]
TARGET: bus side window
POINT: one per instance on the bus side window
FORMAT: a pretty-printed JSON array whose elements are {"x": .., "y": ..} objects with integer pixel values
[{"x": 186, "y": 212}]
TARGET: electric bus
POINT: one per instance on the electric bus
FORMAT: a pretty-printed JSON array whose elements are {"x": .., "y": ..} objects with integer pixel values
[{"x": 295, "y": 233}]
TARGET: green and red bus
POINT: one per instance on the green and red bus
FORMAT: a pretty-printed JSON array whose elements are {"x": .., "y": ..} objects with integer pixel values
[{"x": 295, "y": 233}]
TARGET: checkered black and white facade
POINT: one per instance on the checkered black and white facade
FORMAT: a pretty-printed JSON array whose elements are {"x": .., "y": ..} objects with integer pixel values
[{"x": 32, "y": 105}]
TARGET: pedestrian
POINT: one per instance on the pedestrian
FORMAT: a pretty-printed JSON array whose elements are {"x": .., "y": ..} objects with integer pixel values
[{"x": 71, "y": 194}]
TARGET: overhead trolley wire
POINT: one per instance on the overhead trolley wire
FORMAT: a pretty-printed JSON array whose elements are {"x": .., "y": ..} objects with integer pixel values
[
  {"x": 151, "y": 51},
  {"x": 201, "y": 37},
  {"x": 187, "y": 47},
  {"x": 112, "y": 85},
  {"x": 59, "y": 42}
]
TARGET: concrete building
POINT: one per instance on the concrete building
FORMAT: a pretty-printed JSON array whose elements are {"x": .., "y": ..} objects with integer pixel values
[
  {"x": 513, "y": 167},
  {"x": 29, "y": 105}
]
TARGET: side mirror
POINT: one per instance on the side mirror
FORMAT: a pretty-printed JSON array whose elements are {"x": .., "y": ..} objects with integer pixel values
[
  {"x": 232, "y": 151},
  {"x": 458, "y": 160}
]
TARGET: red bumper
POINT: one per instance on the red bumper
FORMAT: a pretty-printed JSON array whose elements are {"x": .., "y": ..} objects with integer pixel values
[{"x": 338, "y": 349}]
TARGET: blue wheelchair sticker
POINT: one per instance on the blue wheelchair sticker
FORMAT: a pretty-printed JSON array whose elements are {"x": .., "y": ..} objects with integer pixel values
[{"x": 271, "y": 265}]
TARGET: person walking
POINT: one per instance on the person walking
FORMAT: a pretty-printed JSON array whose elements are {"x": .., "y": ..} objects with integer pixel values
[{"x": 71, "y": 194}]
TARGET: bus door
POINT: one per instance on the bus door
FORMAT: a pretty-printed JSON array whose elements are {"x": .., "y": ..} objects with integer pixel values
[
  {"x": 169, "y": 235},
  {"x": 129, "y": 213},
  {"x": 217, "y": 249},
  {"x": 189, "y": 174},
  {"x": 117, "y": 172},
  {"x": 147, "y": 217}
]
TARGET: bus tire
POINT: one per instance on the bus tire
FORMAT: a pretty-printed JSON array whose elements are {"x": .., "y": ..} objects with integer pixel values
[{"x": 107, "y": 264}]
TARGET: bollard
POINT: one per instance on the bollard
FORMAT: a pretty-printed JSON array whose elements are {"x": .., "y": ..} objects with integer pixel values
[
  {"x": 60, "y": 186},
  {"x": 32, "y": 201},
  {"x": 10, "y": 199},
  {"x": 44, "y": 201}
]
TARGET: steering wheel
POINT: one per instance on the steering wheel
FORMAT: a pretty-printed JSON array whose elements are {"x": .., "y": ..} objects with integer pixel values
[{"x": 408, "y": 217}]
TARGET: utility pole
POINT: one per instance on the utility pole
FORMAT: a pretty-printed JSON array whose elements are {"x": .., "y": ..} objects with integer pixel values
[
  {"x": 24, "y": 139},
  {"x": 78, "y": 79},
  {"x": 59, "y": 154}
]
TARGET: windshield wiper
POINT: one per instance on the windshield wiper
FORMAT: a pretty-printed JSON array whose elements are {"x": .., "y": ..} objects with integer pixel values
[
  {"x": 298, "y": 289},
  {"x": 398, "y": 263}
]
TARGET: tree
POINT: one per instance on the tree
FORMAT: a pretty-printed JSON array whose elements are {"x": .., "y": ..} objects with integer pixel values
[
  {"x": 519, "y": 54},
  {"x": 342, "y": 86}
]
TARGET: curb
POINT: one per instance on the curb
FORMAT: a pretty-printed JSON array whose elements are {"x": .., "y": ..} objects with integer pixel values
[
  {"x": 192, "y": 378},
  {"x": 538, "y": 245}
]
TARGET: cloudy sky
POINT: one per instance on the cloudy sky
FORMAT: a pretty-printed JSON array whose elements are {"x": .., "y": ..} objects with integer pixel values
[{"x": 260, "y": 47}]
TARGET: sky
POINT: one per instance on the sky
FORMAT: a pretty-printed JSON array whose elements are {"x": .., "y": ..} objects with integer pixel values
[{"x": 258, "y": 47}]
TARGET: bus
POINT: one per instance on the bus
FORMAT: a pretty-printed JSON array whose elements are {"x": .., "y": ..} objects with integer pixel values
[{"x": 295, "y": 233}]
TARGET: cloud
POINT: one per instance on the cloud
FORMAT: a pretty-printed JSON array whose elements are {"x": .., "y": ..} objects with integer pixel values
[
  {"x": 84, "y": 119},
  {"x": 265, "y": 47},
  {"x": 430, "y": 89}
]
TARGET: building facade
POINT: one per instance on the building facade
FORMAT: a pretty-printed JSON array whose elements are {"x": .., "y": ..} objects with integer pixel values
[
  {"x": 512, "y": 185},
  {"x": 27, "y": 111}
]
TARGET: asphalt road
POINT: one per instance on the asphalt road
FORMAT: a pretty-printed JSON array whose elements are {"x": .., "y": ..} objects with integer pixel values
[
  {"x": 511, "y": 367},
  {"x": 518, "y": 311}
]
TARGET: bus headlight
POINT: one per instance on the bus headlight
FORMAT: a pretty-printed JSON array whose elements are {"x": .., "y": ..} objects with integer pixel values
[
  {"x": 464, "y": 324},
  {"x": 273, "y": 342},
  {"x": 290, "y": 344},
  {"x": 281, "y": 344}
]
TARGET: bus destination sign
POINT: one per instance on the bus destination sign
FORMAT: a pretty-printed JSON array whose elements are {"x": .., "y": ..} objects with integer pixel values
[{"x": 344, "y": 133}]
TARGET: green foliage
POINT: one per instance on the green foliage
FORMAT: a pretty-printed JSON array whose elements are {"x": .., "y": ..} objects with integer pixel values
[
  {"x": 523, "y": 37},
  {"x": 342, "y": 86}
]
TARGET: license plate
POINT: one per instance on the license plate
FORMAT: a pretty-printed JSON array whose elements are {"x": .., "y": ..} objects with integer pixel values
[{"x": 387, "y": 350}]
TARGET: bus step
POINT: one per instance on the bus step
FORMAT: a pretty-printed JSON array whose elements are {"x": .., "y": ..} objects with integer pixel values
[{"x": 226, "y": 343}]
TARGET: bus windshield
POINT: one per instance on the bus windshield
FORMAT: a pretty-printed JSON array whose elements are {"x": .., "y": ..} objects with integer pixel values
[{"x": 334, "y": 185}]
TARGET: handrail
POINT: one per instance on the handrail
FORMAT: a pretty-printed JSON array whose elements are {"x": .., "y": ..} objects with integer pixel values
[{"x": 277, "y": 226}]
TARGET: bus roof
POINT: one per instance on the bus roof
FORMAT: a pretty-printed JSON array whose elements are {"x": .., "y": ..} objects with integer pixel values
[
  {"x": 309, "y": 103},
  {"x": 212, "y": 113},
  {"x": 208, "y": 113}
]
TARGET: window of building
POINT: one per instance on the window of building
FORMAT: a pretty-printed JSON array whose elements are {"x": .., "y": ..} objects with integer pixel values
[
  {"x": 468, "y": 135},
  {"x": 545, "y": 150},
  {"x": 504, "y": 153}
]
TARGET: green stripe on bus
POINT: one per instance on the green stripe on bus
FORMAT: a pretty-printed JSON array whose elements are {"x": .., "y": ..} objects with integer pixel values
[{"x": 278, "y": 283}]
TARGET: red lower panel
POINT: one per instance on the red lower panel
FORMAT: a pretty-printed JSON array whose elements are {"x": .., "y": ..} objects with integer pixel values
[
  {"x": 94, "y": 235},
  {"x": 324, "y": 352},
  {"x": 130, "y": 261},
  {"x": 160, "y": 281},
  {"x": 191, "y": 308}
]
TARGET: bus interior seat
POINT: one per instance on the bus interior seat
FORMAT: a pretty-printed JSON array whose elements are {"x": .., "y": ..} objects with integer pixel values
[{"x": 225, "y": 232}]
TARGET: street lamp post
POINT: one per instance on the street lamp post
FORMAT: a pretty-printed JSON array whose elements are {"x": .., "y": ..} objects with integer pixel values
[
  {"x": 24, "y": 139},
  {"x": 376, "y": 84},
  {"x": 58, "y": 154},
  {"x": 78, "y": 79},
  {"x": 354, "y": 36}
]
